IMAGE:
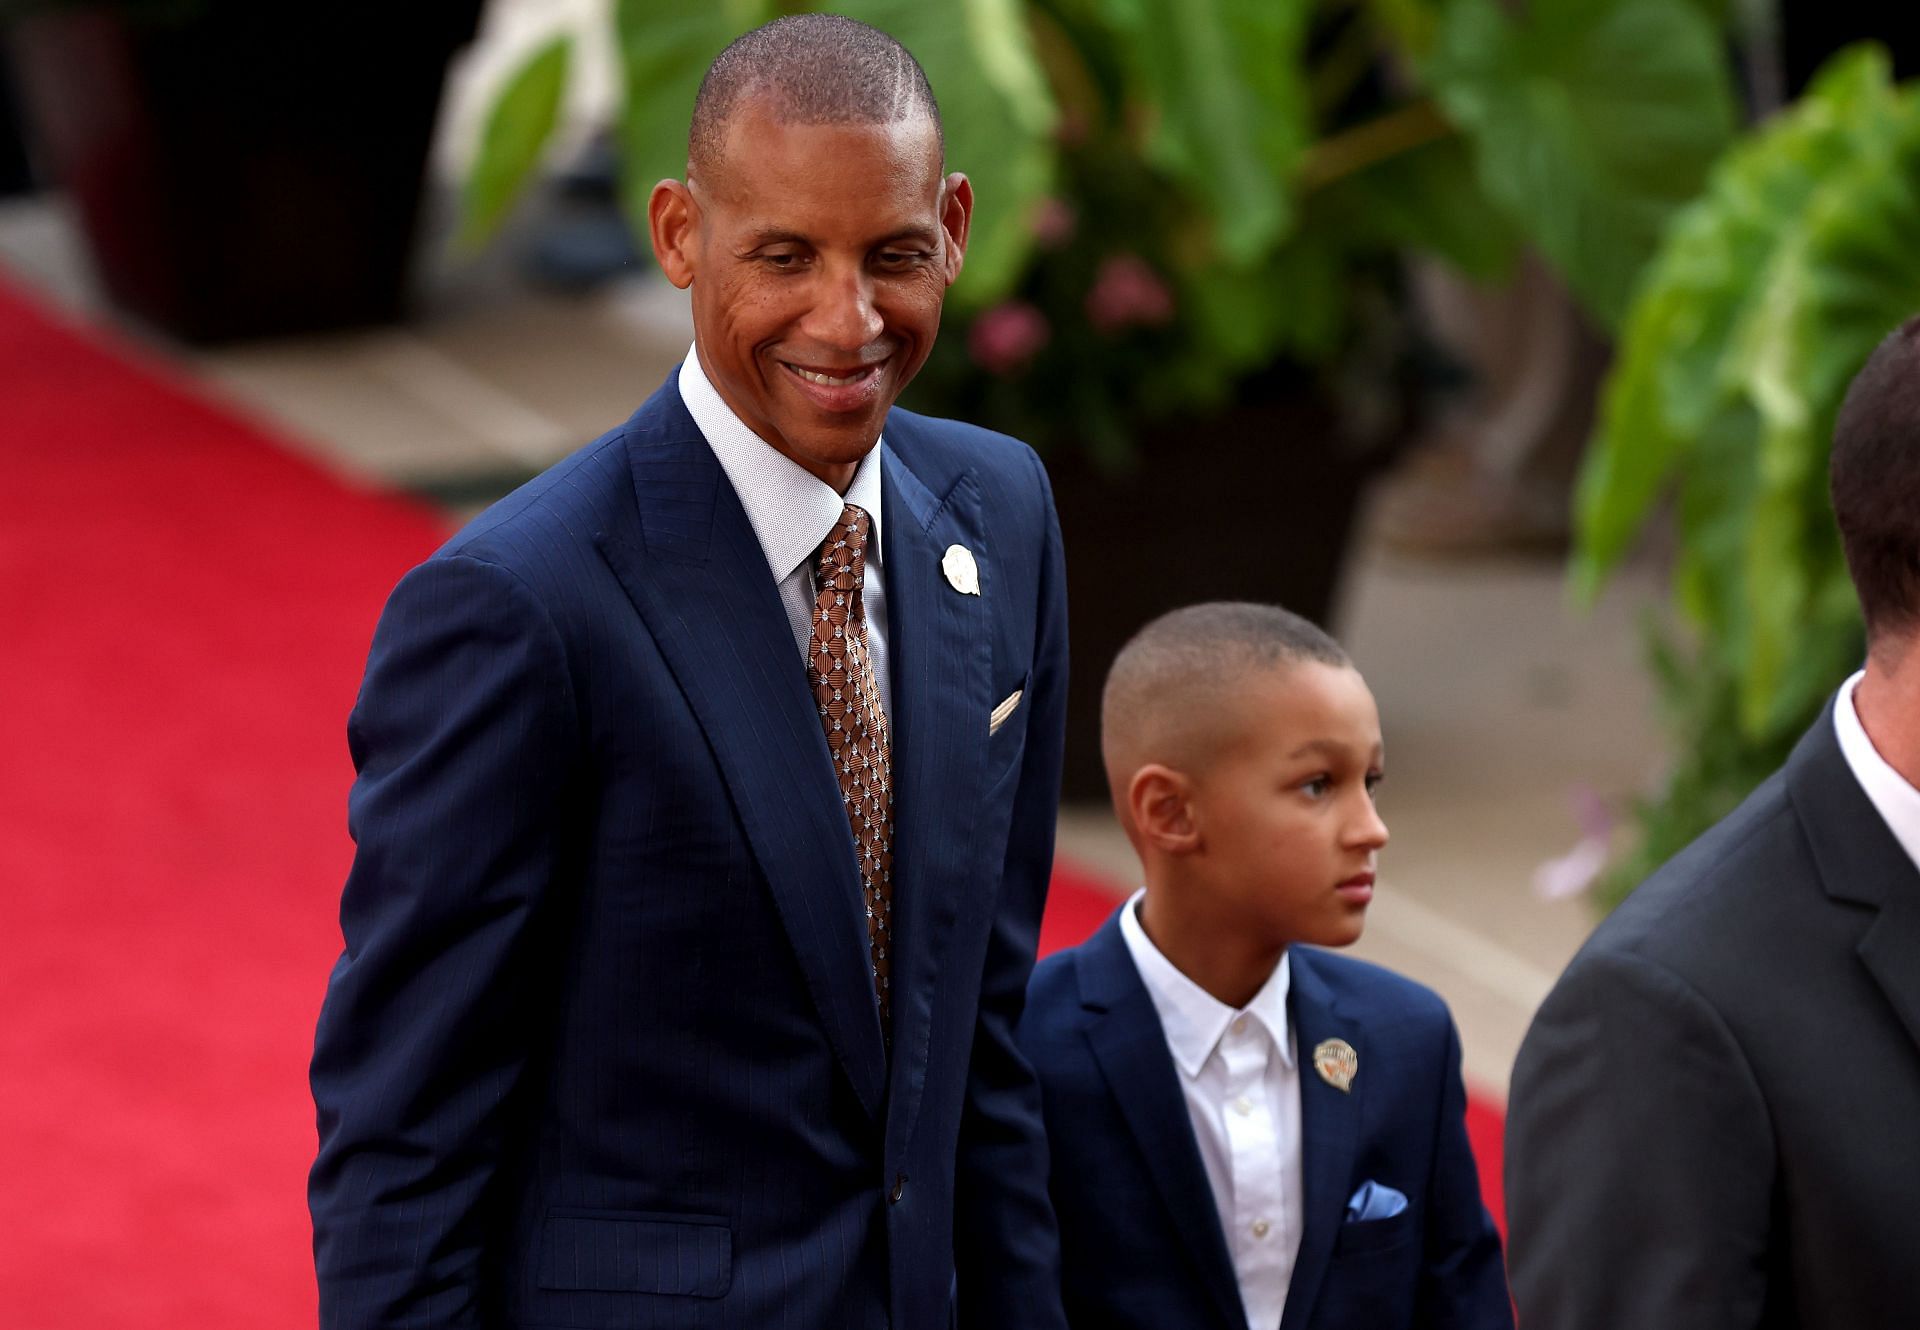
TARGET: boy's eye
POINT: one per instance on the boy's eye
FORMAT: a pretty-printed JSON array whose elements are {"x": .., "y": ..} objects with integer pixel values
[
  {"x": 1373, "y": 783},
  {"x": 1316, "y": 787}
]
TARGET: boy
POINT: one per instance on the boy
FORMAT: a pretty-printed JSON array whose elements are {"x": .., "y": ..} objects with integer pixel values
[{"x": 1246, "y": 1132}]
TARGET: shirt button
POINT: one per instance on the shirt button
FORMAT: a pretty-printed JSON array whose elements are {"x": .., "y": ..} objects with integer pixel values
[
  {"x": 1260, "y": 1228},
  {"x": 1240, "y": 1025},
  {"x": 1242, "y": 1106},
  {"x": 899, "y": 1189}
]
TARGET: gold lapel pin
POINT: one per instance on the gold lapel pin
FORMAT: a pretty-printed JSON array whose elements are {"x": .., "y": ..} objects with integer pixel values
[
  {"x": 962, "y": 572},
  {"x": 1337, "y": 1063}
]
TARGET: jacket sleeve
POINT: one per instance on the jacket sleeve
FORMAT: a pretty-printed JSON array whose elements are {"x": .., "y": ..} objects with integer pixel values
[
  {"x": 462, "y": 737},
  {"x": 1463, "y": 1283},
  {"x": 1640, "y": 1161},
  {"x": 1006, "y": 1247}
]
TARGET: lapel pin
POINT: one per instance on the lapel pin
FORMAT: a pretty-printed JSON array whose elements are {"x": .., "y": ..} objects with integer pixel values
[
  {"x": 962, "y": 572},
  {"x": 1337, "y": 1063}
]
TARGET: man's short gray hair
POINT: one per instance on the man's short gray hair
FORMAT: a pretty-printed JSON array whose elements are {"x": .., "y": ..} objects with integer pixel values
[{"x": 812, "y": 69}]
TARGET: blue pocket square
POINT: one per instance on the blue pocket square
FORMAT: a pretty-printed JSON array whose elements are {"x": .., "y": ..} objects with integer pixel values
[{"x": 1374, "y": 1201}]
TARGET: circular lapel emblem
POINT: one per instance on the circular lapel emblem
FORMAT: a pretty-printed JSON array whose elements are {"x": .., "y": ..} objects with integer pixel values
[
  {"x": 1337, "y": 1063},
  {"x": 962, "y": 572}
]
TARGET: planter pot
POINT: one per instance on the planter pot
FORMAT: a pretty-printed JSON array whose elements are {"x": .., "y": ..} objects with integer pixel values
[
  {"x": 240, "y": 168},
  {"x": 16, "y": 175},
  {"x": 1256, "y": 503}
]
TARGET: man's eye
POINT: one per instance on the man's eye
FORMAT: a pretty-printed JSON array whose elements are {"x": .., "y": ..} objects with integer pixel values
[
  {"x": 781, "y": 260},
  {"x": 898, "y": 258}
]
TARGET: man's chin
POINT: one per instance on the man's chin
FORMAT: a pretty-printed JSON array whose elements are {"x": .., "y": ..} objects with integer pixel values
[{"x": 837, "y": 447}]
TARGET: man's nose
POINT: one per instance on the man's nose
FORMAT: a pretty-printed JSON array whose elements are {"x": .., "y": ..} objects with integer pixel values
[{"x": 843, "y": 316}]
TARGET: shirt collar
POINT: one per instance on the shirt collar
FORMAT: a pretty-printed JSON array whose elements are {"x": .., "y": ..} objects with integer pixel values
[
  {"x": 1195, "y": 1020},
  {"x": 790, "y": 509},
  {"x": 1897, "y": 802}
]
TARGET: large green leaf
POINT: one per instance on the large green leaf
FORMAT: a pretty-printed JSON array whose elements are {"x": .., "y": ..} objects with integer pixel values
[
  {"x": 1427, "y": 201},
  {"x": 1593, "y": 120},
  {"x": 1702, "y": 299},
  {"x": 1224, "y": 105},
  {"x": 512, "y": 140},
  {"x": 1412, "y": 24},
  {"x": 665, "y": 47},
  {"x": 1844, "y": 274},
  {"x": 1768, "y": 295},
  {"x": 998, "y": 114}
]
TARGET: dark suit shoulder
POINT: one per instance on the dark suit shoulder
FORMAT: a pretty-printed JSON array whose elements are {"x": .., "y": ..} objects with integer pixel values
[
  {"x": 1053, "y": 995},
  {"x": 939, "y": 451},
  {"x": 955, "y": 444},
  {"x": 565, "y": 504},
  {"x": 1742, "y": 875}
]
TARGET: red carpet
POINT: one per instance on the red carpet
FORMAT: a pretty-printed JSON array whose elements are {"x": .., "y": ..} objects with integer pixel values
[{"x": 185, "y": 608}]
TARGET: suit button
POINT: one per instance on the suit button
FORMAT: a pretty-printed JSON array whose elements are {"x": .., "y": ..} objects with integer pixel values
[{"x": 899, "y": 1189}]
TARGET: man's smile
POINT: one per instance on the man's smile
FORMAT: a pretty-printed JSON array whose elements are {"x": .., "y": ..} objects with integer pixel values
[
  {"x": 838, "y": 389},
  {"x": 832, "y": 378}
]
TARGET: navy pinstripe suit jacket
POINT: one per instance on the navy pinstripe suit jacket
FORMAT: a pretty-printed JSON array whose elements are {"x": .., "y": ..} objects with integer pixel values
[{"x": 602, "y": 1048}]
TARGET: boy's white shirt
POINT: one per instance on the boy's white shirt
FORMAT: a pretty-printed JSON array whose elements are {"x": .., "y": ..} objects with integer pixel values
[{"x": 1241, "y": 1080}]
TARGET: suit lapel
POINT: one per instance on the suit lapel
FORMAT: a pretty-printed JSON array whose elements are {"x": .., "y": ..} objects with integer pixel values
[
  {"x": 939, "y": 653},
  {"x": 1329, "y": 1133},
  {"x": 1127, "y": 1041},
  {"x": 1891, "y": 952},
  {"x": 697, "y": 576},
  {"x": 1861, "y": 863}
]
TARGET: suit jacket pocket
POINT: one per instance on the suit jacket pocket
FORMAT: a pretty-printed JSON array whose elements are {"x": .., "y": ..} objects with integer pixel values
[
  {"x": 1370, "y": 1235},
  {"x": 632, "y": 1251},
  {"x": 1005, "y": 744}
]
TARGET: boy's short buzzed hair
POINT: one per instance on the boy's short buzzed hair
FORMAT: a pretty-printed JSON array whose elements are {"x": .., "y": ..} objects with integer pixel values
[{"x": 1164, "y": 691}]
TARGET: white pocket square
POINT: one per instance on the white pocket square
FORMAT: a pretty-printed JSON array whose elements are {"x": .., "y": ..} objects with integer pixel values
[
  {"x": 998, "y": 716},
  {"x": 1374, "y": 1200}
]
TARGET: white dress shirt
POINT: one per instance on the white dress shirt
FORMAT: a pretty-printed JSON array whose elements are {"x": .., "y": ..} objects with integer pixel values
[
  {"x": 1242, "y": 1086},
  {"x": 1897, "y": 802},
  {"x": 791, "y": 511}
]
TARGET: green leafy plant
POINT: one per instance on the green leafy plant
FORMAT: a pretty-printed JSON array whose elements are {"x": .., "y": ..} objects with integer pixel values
[
  {"x": 1766, "y": 296},
  {"x": 1175, "y": 195}
]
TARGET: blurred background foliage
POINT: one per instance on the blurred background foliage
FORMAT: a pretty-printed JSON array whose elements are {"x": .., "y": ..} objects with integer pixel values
[
  {"x": 1173, "y": 198},
  {"x": 1766, "y": 297}
]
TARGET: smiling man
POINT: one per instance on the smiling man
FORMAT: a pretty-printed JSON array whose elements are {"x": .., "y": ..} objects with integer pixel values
[{"x": 705, "y": 802}]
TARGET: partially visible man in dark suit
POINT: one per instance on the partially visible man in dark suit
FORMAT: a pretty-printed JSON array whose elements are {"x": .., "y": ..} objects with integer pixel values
[
  {"x": 1715, "y": 1119},
  {"x": 706, "y": 799}
]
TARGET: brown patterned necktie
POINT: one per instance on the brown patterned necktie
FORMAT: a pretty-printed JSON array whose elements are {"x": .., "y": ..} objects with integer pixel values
[{"x": 840, "y": 669}]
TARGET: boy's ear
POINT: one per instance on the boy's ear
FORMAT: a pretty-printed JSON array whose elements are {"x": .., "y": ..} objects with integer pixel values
[{"x": 1160, "y": 802}]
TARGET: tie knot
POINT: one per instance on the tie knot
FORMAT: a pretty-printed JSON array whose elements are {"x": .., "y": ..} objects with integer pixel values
[{"x": 843, "y": 554}]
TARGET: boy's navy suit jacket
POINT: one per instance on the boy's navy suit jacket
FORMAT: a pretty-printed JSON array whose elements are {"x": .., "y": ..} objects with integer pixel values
[
  {"x": 603, "y": 1049},
  {"x": 1141, "y": 1240}
]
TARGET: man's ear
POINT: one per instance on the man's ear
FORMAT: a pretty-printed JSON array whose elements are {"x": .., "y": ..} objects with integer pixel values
[
  {"x": 1160, "y": 802},
  {"x": 673, "y": 223},
  {"x": 956, "y": 219}
]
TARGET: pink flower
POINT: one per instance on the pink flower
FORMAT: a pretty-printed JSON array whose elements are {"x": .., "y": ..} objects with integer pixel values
[
  {"x": 1127, "y": 293},
  {"x": 1575, "y": 872},
  {"x": 1004, "y": 339},
  {"x": 1053, "y": 223}
]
